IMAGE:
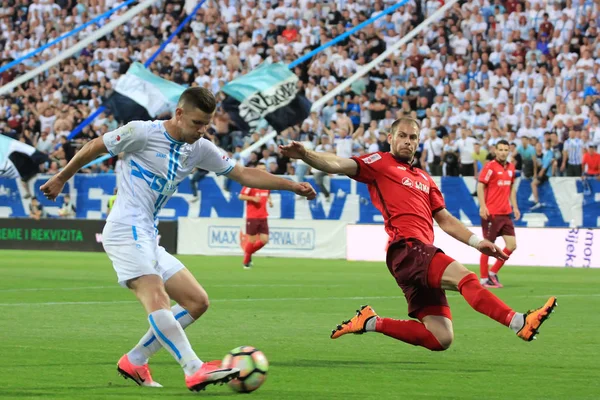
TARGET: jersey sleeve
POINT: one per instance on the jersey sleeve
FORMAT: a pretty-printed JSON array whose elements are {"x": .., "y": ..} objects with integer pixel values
[
  {"x": 486, "y": 174},
  {"x": 367, "y": 167},
  {"x": 246, "y": 191},
  {"x": 213, "y": 159},
  {"x": 129, "y": 138},
  {"x": 436, "y": 200}
]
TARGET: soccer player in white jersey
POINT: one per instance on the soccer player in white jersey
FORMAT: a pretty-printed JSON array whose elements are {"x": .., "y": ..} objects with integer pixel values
[{"x": 158, "y": 156}]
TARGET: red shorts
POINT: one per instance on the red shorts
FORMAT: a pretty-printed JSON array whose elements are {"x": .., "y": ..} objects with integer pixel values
[
  {"x": 255, "y": 226},
  {"x": 497, "y": 225},
  {"x": 418, "y": 269}
]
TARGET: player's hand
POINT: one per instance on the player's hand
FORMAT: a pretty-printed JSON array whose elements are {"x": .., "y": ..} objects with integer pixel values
[
  {"x": 490, "y": 249},
  {"x": 304, "y": 189},
  {"x": 53, "y": 187},
  {"x": 256, "y": 200},
  {"x": 517, "y": 214},
  {"x": 483, "y": 212},
  {"x": 293, "y": 150}
]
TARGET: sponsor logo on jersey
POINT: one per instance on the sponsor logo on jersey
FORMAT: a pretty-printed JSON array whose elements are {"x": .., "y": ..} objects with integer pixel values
[
  {"x": 161, "y": 155},
  {"x": 421, "y": 186},
  {"x": 407, "y": 182},
  {"x": 372, "y": 158}
]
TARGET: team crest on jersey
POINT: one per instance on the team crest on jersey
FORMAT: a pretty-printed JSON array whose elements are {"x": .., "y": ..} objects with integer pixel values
[
  {"x": 407, "y": 182},
  {"x": 372, "y": 158},
  {"x": 510, "y": 173}
]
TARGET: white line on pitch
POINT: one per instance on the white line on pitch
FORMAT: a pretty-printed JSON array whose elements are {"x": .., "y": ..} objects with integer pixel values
[
  {"x": 49, "y": 289},
  {"x": 67, "y": 303}
]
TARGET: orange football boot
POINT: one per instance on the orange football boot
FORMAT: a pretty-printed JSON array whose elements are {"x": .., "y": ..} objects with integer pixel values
[
  {"x": 140, "y": 374},
  {"x": 356, "y": 324},
  {"x": 535, "y": 318},
  {"x": 209, "y": 374}
]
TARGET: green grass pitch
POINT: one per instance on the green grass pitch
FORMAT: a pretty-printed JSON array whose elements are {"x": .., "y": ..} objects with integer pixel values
[{"x": 64, "y": 323}]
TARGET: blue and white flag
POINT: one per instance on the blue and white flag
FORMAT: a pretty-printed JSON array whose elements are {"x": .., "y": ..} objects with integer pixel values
[
  {"x": 139, "y": 94},
  {"x": 270, "y": 92}
]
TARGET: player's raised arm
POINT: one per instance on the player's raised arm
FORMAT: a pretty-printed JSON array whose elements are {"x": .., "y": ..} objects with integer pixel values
[
  {"x": 325, "y": 162},
  {"x": 256, "y": 178},
  {"x": 459, "y": 231},
  {"x": 89, "y": 152}
]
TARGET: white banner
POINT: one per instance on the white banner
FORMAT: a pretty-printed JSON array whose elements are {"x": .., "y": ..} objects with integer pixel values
[
  {"x": 287, "y": 238},
  {"x": 545, "y": 247}
]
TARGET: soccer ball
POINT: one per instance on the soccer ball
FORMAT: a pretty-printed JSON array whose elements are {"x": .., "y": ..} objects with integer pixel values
[{"x": 253, "y": 366}]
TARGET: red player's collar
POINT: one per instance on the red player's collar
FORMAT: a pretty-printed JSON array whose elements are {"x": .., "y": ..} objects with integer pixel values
[{"x": 402, "y": 162}]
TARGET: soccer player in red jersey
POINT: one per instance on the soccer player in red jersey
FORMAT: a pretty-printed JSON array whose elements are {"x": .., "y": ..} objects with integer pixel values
[
  {"x": 257, "y": 225},
  {"x": 409, "y": 200},
  {"x": 496, "y": 192}
]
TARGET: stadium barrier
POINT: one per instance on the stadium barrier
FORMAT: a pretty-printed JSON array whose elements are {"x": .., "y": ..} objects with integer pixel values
[
  {"x": 548, "y": 247},
  {"x": 287, "y": 238},
  {"x": 568, "y": 202},
  {"x": 68, "y": 234}
]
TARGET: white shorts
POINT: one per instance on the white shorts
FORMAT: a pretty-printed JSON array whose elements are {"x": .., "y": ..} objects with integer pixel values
[{"x": 135, "y": 252}]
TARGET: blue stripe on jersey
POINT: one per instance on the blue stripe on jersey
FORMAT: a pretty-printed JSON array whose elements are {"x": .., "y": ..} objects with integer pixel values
[
  {"x": 157, "y": 204},
  {"x": 141, "y": 172},
  {"x": 228, "y": 170},
  {"x": 134, "y": 231},
  {"x": 171, "y": 160}
]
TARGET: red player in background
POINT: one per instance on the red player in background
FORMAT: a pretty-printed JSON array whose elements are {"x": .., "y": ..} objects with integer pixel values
[
  {"x": 257, "y": 225},
  {"x": 496, "y": 192},
  {"x": 409, "y": 199}
]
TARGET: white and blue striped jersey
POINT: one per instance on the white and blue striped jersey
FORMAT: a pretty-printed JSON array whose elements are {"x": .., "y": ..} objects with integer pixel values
[{"x": 153, "y": 166}]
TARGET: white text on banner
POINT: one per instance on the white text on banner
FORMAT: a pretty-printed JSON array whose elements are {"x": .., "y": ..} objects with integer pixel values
[{"x": 543, "y": 247}]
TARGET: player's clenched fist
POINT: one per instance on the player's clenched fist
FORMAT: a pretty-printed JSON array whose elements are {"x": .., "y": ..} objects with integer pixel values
[
  {"x": 293, "y": 150},
  {"x": 304, "y": 189},
  {"x": 53, "y": 187}
]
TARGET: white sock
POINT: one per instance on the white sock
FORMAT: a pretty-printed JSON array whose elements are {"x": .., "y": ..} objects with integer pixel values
[
  {"x": 170, "y": 334},
  {"x": 370, "y": 325},
  {"x": 483, "y": 280},
  {"x": 517, "y": 321},
  {"x": 148, "y": 345}
]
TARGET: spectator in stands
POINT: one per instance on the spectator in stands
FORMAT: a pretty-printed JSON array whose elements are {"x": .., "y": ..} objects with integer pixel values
[
  {"x": 548, "y": 163},
  {"x": 591, "y": 162},
  {"x": 36, "y": 210},
  {"x": 68, "y": 208},
  {"x": 573, "y": 154}
]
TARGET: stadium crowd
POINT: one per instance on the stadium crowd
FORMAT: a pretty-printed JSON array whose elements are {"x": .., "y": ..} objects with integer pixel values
[{"x": 524, "y": 71}]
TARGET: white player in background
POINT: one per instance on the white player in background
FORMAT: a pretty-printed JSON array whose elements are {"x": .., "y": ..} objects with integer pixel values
[{"x": 158, "y": 155}]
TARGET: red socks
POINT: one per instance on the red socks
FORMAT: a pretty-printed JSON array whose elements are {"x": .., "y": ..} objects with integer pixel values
[
  {"x": 483, "y": 266},
  {"x": 499, "y": 263},
  {"x": 252, "y": 248},
  {"x": 484, "y": 301},
  {"x": 409, "y": 331}
]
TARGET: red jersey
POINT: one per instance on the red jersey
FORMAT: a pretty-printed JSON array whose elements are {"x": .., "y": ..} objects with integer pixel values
[
  {"x": 407, "y": 197},
  {"x": 254, "y": 210},
  {"x": 498, "y": 180},
  {"x": 592, "y": 162}
]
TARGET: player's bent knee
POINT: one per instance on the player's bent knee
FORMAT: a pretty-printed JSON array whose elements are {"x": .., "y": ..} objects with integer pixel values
[
  {"x": 445, "y": 339},
  {"x": 196, "y": 305}
]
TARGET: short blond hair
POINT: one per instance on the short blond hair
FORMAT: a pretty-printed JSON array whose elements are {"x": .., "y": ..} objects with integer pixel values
[{"x": 404, "y": 120}]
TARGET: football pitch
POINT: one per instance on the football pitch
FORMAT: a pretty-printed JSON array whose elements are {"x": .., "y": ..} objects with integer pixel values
[{"x": 64, "y": 323}]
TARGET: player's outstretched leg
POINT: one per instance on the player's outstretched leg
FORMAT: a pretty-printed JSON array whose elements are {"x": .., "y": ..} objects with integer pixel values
[
  {"x": 408, "y": 331},
  {"x": 134, "y": 364},
  {"x": 151, "y": 292},
  {"x": 526, "y": 326}
]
